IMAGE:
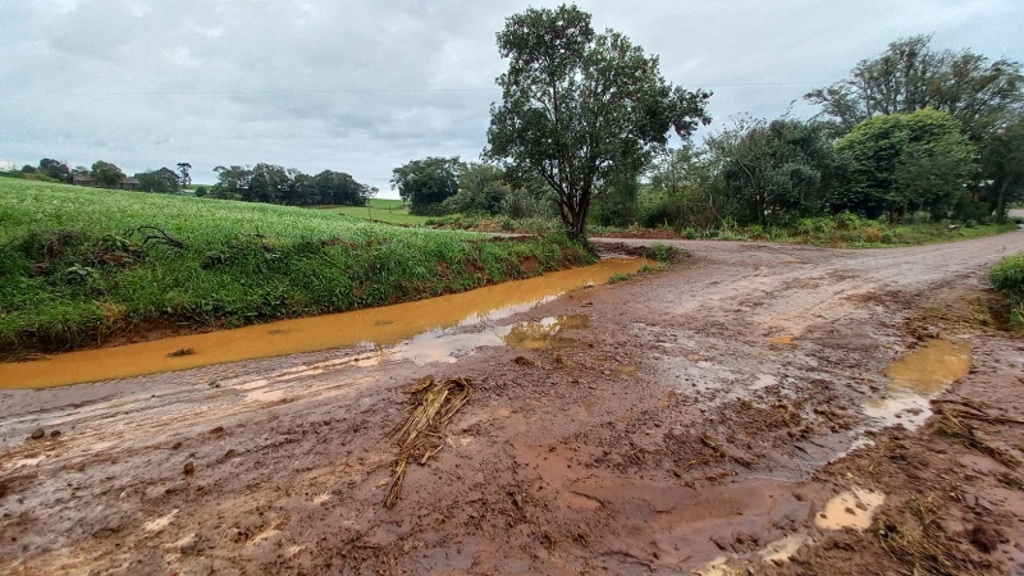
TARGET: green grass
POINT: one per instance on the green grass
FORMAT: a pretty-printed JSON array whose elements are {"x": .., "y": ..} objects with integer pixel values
[
  {"x": 850, "y": 231},
  {"x": 1008, "y": 278},
  {"x": 78, "y": 267},
  {"x": 381, "y": 210}
]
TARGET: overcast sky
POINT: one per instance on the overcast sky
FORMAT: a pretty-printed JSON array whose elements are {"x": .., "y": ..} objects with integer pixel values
[{"x": 362, "y": 86}]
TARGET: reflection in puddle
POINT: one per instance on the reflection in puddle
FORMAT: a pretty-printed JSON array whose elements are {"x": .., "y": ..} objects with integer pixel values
[
  {"x": 777, "y": 552},
  {"x": 782, "y": 551},
  {"x": 852, "y": 509},
  {"x": 915, "y": 379},
  {"x": 545, "y": 333},
  {"x": 441, "y": 346},
  {"x": 380, "y": 327},
  {"x": 899, "y": 408}
]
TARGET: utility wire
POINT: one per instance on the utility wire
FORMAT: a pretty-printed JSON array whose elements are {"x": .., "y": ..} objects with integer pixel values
[{"x": 345, "y": 91}]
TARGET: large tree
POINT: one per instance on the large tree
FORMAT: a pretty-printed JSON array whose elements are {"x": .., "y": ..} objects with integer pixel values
[
  {"x": 55, "y": 169},
  {"x": 106, "y": 174},
  {"x": 163, "y": 180},
  {"x": 339, "y": 188},
  {"x": 426, "y": 183},
  {"x": 911, "y": 76},
  {"x": 232, "y": 182},
  {"x": 774, "y": 172},
  {"x": 482, "y": 190},
  {"x": 1002, "y": 163},
  {"x": 576, "y": 103},
  {"x": 186, "y": 178},
  {"x": 904, "y": 163}
]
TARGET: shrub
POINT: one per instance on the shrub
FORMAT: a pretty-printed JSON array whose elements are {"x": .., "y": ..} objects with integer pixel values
[{"x": 1008, "y": 278}]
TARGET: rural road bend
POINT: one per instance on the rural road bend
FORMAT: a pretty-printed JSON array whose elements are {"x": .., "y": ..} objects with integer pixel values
[{"x": 689, "y": 406}]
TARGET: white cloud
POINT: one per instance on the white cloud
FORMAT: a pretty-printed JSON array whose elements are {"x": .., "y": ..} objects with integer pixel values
[{"x": 364, "y": 86}]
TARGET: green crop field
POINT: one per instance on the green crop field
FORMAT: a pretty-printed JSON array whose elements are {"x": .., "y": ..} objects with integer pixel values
[
  {"x": 80, "y": 266},
  {"x": 381, "y": 210}
]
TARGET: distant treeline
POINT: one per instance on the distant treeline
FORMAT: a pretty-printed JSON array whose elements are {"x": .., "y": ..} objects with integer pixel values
[
  {"x": 263, "y": 182},
  {"x": 276, "y": 185}
]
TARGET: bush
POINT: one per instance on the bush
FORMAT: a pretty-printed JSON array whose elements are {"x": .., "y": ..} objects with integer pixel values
[
  {"x": 661, "y": 253},
  {"x": 1008, "y": 278}
]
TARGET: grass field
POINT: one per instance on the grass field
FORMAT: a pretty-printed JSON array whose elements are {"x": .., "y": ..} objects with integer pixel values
[
  {"x": 81, "y": 266},
  {"x": 381, "y": 210}
]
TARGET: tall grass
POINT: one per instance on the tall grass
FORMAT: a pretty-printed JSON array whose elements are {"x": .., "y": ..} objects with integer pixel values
[
  {"x": 81, "y": 266},
  {"x": 1008, "y": 277}
]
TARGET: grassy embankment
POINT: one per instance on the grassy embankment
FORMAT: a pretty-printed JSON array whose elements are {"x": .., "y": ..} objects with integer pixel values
[
  {"x": 1008, "y": 278},
  {"x": 82, "y": 266}
]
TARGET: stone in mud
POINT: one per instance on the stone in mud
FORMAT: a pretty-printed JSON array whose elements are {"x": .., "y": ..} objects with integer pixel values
[
  {"x": 190, "y": 468},
  {"x": 38, "y": 433},
  {"x": 55, "y": 434}
]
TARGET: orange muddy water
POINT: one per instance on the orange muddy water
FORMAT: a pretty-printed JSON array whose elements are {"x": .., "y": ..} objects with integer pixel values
[
  {"x": 931, "y": 368},
  {"x": 382, "y": 326}
]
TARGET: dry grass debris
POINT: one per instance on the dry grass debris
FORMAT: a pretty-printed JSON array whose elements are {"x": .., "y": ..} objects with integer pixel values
[{"x": 419, "y": 436}]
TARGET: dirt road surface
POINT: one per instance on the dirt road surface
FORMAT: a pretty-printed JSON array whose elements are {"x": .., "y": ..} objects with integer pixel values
[{"x": 726, "y": 416}]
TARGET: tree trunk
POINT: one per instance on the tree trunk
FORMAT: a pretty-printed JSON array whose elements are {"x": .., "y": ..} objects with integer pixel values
[{"x": 1001, "y": 203}]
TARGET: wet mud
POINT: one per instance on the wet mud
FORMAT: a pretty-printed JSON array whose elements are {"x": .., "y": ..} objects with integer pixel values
[{"x": 651, "y": 426}]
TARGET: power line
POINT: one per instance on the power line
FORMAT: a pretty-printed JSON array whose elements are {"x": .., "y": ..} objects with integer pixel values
[{"x": 204, "y": 93}]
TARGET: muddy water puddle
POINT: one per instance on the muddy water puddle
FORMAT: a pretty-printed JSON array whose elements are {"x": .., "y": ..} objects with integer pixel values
[
  {"x": 418, "y": 331},
  {"x": 854, "y": 509},
  {"x": 915, "y": 379}
]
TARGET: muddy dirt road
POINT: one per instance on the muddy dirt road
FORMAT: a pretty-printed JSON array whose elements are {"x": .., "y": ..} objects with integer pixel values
[{"x": 731, "y": 414}]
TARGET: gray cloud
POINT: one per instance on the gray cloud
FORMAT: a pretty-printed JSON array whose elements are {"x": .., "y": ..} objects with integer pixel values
[{"x": 364, "y": 86}]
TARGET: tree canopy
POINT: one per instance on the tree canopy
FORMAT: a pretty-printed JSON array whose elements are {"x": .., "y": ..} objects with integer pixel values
[
  {"x": 426, "y": 183},
  {"x": 275, "y": 184},
  {"x": 903, "y": 163},
  {"x": 55, "y": 169},
  {"x": 910, "y": 76},
  {"x": 775, "y": 172},
  {"x": 1002, "y": 161},
  {"x": 163, "y": 180},
  {"x": 576, "y": 103},
  {"x": 106, "y": 174}
]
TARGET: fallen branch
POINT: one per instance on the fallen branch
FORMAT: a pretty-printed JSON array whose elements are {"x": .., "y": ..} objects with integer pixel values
[{"x": 161, "y": 236}]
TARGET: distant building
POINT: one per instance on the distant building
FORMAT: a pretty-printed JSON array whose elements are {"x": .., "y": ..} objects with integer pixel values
[{"x": 86, "y": 180}]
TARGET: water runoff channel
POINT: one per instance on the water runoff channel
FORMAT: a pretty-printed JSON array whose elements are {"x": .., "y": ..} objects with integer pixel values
[{"x": 422, "y": 331}]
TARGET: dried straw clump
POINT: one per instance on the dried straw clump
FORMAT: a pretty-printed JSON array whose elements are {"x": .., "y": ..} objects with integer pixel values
[{"x": 419, "y": 435}]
